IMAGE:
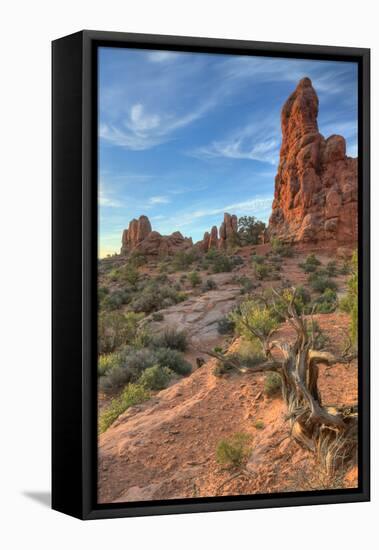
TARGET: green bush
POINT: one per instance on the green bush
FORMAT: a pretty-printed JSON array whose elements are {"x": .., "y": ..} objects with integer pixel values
[
  {"x": 247, "y": 285},
  {"x": 157, "y": 316},
  {"x": 253, "y": 316},
  {"x": 106, "y": 363},
  {"x": 278, "y": 247},
  {"x": 116, "y": 329},
  {"x": 225, "y": 325},
  {"x": 129, "y": 364},
  {"x": 154, "y": 296},
  {"x": 132, "y": 395},
  {"x": 115, "y": 300},
  {"x": 182, "y": 260},
  {"x": 171, "y": 338},
  {"x": 194, "y": 278},
  {"x": 311, "y": 263},
  {"x": 345, "y": 268},
  {"x": 155, "y": 378},
  {"x": 209, "y": 284},
  {"x": 174, "y": 360},
  {"x": 319, "y": 282},
  {"x": 349, "y": 303},
  {"x": 327, "y": 302},
  {"x": 222, "y": 264},
  {"x": 234, "y": 450},
  {"x": 263, "y": 271},
  {"x": 137, "y": 259},
  {"x": 331, "y": 268},
  {"x": 273, "y": 384},
  {"x": 257, "y": 259},
  {"x": 259, "y": 425}
]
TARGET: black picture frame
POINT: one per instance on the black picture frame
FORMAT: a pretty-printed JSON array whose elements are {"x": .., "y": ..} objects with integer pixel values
[{"x": 74, "y": 272}]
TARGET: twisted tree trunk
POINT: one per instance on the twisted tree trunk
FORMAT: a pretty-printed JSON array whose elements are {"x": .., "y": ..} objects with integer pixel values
[{"x": 328, "y": 431}]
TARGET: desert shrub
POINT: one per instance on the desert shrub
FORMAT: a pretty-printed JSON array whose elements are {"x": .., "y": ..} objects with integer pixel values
[
  {"x": 225, "y": 325},
  {"x": 349, "y": 303},
  {"x": 183, "y": 260},
  {"x": 133, "y": 394},
  {"x": 129, "y": 365},
  {"x": 345, "y": 268},
  {"x": 310, "y": 264},
  {"x": 154, "y": 296},
  {"x": 222, "y": 264},
  {"x": 327, "y": 302},
  {"x": 319, "y": 282},
  {"x": 263, "y": 271},
  {"x": 115, "y": 300},
  {"x": 209, "y": 284},
  {"x": 273, "y": 384},
  {"x": 102, "y": 292},
  {"x": 155, "y": 378},
  {"x": 129, "y": 274},
  {"x": 107, "y": 363},
  {"x": 246, "y": 284},
  {"x": 283, "y": 249},
  {"x": 250, "y": 229},
  {"x": 259, "y": 425},
  {"x": 234, "y": 450},
  {"x": 331, "y": 268},
  {"x": 194, "y": 278},
  {"x": 116, "y": 329},
  {"x": 172, "y": 359},
  {"x": 137, "y": 259},
  {"x": 157, "y": 316},
  {"x": 252, "y": 318},
  {"x": 237, "y": 260},
  {"x": 257, "y": 259},
  {"x": 171, "y": 338}
]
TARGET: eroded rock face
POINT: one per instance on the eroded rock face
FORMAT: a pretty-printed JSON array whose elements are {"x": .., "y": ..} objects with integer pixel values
[
  {"x": 316, "y": 184},
  {"x": 137, "y": 231},
  {"x": 140, "y": 237},
  {"x": 210, "y": 240},
  {"x": 228, "y": 230},
  {"x": 221, "y": 238}
]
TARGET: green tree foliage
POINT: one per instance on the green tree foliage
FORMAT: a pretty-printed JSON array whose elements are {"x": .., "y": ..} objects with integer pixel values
[
  {"x": 349, "y": 303},
  {"x": 249, "y": 229}
]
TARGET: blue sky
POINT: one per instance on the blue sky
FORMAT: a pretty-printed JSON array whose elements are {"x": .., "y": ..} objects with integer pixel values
[{"x": 184, "y": 137}]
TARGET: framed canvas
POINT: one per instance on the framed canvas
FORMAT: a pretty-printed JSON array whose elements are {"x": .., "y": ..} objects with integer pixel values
[{"x": 210, "y": 275}]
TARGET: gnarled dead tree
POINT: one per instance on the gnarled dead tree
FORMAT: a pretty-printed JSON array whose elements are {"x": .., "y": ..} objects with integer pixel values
[{"x": 329, "y": 431}]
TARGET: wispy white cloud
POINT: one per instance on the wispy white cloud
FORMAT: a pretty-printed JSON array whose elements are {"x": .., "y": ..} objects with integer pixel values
[
  {"x": 142, "y": 130},
  {"x": 159, "y": 199},
  {"x": 258, "y": 141},
  {"x": 107, "y": 200},
  {"x": 162, "y": 56}
]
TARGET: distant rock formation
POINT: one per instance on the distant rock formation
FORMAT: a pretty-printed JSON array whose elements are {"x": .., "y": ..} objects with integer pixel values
[
  {"x": 137, "y": 232},
  {"x": 140, "y": 237},
  {"x": 224, "y": 236},
  {"x": 228, "y": 230},
  {"x": 316, "y": 184}
]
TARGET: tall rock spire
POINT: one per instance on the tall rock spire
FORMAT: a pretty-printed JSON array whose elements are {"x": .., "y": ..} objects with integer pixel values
[{"x": 316, "y": 183}]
